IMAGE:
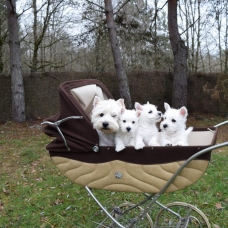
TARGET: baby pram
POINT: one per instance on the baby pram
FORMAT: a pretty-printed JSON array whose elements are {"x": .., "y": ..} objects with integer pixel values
[{"x": 151, "y": 171}]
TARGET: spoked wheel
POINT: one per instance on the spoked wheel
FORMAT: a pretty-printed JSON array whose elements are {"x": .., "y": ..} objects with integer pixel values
[
  {"x": 125, "y": 218},
  {"x": 179, "y": 214}
]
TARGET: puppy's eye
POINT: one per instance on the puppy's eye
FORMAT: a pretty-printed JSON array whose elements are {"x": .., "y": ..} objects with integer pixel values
[
  {"x": 102, "y": 114},
  {"x": 113, "y": 116},
  {"x": 124, "y": 121},
  {"x": 174, "y": 121},
  {"x": 150, "y": 111},
  {"x": 133, "y": 122}
]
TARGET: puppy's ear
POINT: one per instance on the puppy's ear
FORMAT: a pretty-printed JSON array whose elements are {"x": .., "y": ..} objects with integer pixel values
[
  {"x": 166, "y": 105},
  {"x": 122, "y": 110},
  {"x": 183, "y": 111},
  {"x": 121, "y": 102},
  {"x": 96, "y": 100},
  {"x": 138, "y": 106},
  {"x": 138, "y": 113}
]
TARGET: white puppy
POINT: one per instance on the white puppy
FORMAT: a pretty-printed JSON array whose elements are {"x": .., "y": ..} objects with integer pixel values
[
  {"x": 147, "y": 132},
  {"x": 128, "y": 124},
  {"x": 173, "y": 128},
  {"x": 105, "y": 115}
]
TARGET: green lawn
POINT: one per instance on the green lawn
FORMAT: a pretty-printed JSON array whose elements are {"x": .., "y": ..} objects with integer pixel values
[{"x": 34, "y": 194}]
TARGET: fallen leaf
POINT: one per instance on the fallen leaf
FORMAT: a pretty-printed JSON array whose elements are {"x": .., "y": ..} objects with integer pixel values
[
  {"x": 216, "y": 226},
  {"x": 218, "y": 206},
  {"x": 218, "y": 194},
  {"x": 5, "y": 191},
  {"x": 1, "y": 206}
]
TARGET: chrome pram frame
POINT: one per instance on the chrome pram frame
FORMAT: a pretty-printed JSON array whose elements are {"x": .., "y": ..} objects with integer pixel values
[
  {"x": 182, "y": 222},
  {"x": 121, "y": 216}
]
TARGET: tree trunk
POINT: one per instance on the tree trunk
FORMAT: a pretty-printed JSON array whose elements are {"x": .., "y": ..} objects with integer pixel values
[
  {"x": 1, "y": 53},
  {"x": 219, "y": 22},
  {"x": 35, "y": 37},
  {"x": 187, "y": 22},
  {"x": 226, "y": 42},
  {"x": 198, "y": 37},
  {"x": 180, "y": 52},
  {"x": 17, "y": 86},
  {"x": 121, "y": 75}
]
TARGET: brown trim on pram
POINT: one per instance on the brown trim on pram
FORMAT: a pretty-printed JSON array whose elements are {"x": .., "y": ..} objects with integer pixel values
[{"x": 147, "y": 156}]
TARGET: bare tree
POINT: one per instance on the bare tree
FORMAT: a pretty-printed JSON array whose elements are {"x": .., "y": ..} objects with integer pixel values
[
  {"x": 17, "y": 87},
  {"x": 180, "y": 53},
  {"x": 41, "y": 27},
  {"x": 218, "y": 17},
  {"x": 226, "y": 39},
  {"x": 3, "y": 32},
  {"x": 121, "y": 75},
  {"x": 198, "y": 36}
]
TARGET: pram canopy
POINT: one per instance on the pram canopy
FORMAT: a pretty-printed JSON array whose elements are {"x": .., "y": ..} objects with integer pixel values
[{"x": 86, "y": 163}]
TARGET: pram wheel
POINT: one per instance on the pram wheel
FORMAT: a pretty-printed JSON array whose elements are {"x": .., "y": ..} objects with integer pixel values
[
  {"x": 125, "y": 216},
  {"x": 179, "y": 214}
]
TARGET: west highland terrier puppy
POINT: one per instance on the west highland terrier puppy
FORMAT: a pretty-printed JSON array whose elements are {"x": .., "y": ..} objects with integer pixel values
[
  {"x": 147, "y": 132},
  {"x": 128, "y": 124},
  {"x": 173, "y": 128},
  {"x": 105, "y": 115}
]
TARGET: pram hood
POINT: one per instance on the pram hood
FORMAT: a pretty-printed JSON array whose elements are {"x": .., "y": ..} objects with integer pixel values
[{"x": 79, "y": 133}]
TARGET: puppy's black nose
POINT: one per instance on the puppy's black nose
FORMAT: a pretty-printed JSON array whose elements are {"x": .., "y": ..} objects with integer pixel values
[
  {"x": 165, "y": 125},
  {"x": 128, "y": 129},
  {"x": 105, "y": 124}
]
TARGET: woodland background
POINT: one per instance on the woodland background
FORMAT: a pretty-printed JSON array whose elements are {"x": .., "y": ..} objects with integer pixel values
[
  {"x": 42, "y": 98},
  {"x": 64, "y": 40}
]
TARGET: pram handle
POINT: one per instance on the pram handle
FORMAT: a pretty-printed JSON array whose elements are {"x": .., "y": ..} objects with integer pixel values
[
  {"x": 157, "y": 195},
  {"x": 222, "y": 123},
  {"x": 56, "y": 125},
  {"x": 154, "y": 197},
  {"x": 189, "y": 160}
]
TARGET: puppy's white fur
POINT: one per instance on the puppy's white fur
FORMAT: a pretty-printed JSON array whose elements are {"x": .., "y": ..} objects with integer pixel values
[
  {"x": 128, "y": 124},
  {"x": 147, "y": 132},
  {"x": 173, "y": 127},
  {"x": 105, "y": 115}
]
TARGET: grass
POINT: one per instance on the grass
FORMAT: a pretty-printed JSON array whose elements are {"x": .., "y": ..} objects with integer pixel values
[{"x": 34, "y": 194}]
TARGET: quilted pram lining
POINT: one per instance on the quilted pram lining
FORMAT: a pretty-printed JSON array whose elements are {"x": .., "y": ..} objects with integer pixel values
[{"x": 146, "y": 170}]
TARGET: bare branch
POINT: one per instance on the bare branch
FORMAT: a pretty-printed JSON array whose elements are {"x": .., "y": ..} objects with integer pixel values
[
  {"x": 190, "y": 26},
  {"x": 41, "y": 7},
  {"x": 96, "y": 5},
  {"x": 122, "y": 6},
  {"x": 159, "y": 9},
  {"x": 24, "y": 10}
]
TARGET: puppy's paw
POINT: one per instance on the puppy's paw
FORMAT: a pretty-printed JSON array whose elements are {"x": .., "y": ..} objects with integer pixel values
[
  {"x": 169, "y": 144},
  {"x": 119, "y": 148},
  {"x": 139, "y": 145}
]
